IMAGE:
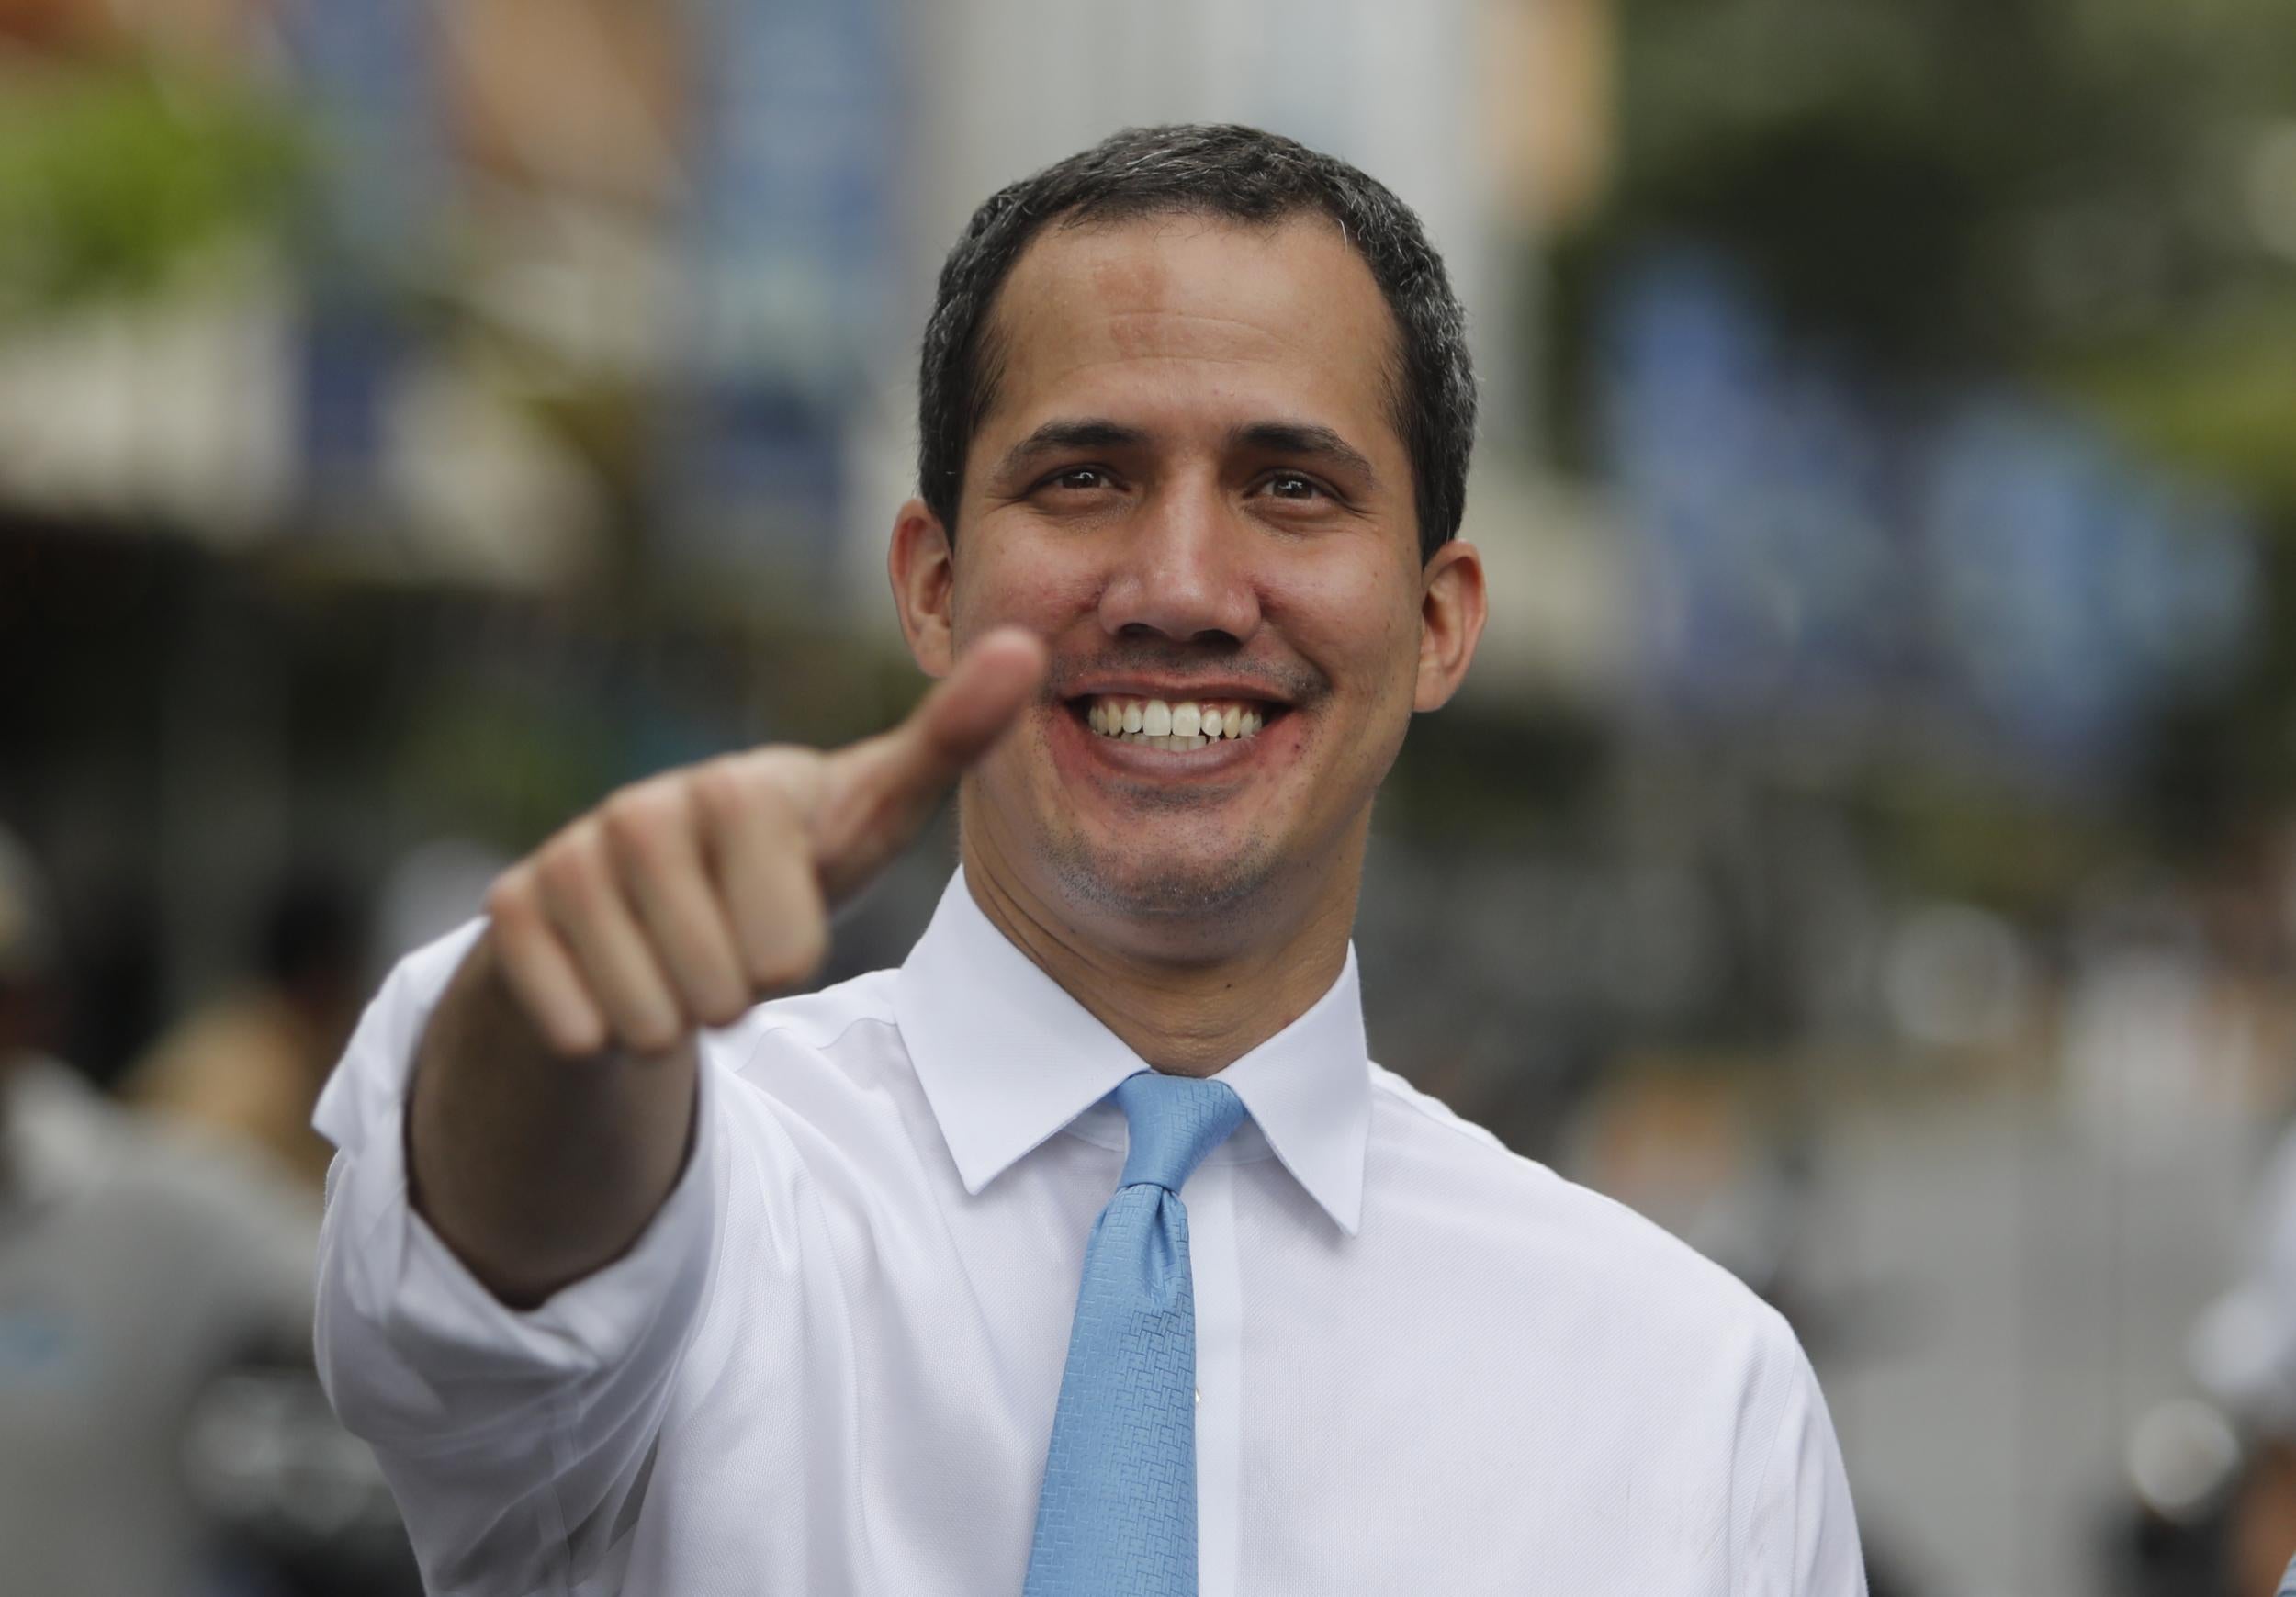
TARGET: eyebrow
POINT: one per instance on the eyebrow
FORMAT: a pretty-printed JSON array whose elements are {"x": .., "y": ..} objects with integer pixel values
[
  {"x": 1311, "y": 439},
  {"x": 1092, "y": 433},
  {"x": 1308, "y": 439}
]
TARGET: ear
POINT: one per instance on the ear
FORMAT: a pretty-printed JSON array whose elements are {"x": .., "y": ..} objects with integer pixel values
[
  {"x": 923, "y": 582},
  {"x": 1452, "y": 609}
]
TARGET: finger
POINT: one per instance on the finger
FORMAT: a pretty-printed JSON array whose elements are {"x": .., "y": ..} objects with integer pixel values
[
  {"x": 583, "y": 899},
  {"x": 761, "y": 859},
  {"x": 657, "y": 855},
  {"x": 539, "y": 971},
  {"x": 878, "y": 793},
  {"x": 963, "y": 718}
]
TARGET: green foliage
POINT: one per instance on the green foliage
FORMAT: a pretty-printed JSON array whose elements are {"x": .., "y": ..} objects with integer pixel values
[
  {"x": 2216, "y": 393},
  {"x": 1956, "y": 185},
  {"x": 111, "y": 179},
  {"x": 2056, "y": 193}
]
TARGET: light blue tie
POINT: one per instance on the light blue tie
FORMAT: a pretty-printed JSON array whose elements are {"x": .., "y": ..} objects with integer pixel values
[{"x": 1117, "y": 1516}]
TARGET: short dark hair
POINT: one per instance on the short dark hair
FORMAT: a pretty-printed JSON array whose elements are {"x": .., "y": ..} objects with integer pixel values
[{"x": 1225, "y": 170}]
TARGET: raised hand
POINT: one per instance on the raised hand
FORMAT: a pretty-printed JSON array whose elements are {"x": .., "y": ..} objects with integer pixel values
[
  {"x": 681, "y": 900},
  {"x": 554, "y": 1084}
]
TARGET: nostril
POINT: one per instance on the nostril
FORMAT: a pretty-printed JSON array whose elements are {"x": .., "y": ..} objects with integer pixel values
[{"x": 1208, "y": 638}]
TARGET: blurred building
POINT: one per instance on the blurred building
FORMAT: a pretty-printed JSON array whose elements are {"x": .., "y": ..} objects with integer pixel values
[
  {"x": 722, "y": 219},
  {"x": 568, "y": 304}
]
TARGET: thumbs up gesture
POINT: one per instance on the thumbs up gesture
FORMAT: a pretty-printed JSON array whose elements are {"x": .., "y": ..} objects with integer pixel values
[{"x": 683, "y": 899}]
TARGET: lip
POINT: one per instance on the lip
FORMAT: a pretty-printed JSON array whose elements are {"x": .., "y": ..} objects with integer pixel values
[{"x": 1172, "y": 690}]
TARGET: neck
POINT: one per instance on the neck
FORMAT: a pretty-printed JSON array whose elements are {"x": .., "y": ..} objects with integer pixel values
[{"x": 1187, "y": 1005}]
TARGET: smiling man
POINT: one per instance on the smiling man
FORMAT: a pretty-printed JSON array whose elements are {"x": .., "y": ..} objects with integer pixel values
[{"x": 1087, "y": 1252}]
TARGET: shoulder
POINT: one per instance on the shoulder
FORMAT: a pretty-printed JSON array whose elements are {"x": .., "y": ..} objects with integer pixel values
[
  {"x": 1517, "y": 1215},
  {"x": 820, "y": 1079},
  {"x": 817, "y": 1023},
  {"x": 1426, "y": 1113}
]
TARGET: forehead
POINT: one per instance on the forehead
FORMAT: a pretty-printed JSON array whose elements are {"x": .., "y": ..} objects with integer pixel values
[{"x": 1207, "y": 314}]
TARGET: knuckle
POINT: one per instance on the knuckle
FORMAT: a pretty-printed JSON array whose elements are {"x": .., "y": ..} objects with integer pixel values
[
  {"x": 645, "y": 1015},
  {"x": 638, "y": 821},
  {"x": 663, "y": 1023},
  {"x": 794, "y": 956},
  {"x": 653, "y": 1034},
  {"x": 708, "y": 986},
  {"x": 722, "y": 1009},
  {"x": 726, "y": 984},
  {"x": 720, "y": 789},
  {"x": 569, "y": 866},
  {"x": 573, "y": 1039},
  {"x": 509, "y": 899},
  {"x": 774, "y": 780}
]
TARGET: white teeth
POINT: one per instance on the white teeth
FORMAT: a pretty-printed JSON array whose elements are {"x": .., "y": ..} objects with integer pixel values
[{"x": 1176, "y": 727}]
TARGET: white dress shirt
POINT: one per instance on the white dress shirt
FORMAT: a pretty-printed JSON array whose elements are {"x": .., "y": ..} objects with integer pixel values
[{"x": 829, "y": 1365}]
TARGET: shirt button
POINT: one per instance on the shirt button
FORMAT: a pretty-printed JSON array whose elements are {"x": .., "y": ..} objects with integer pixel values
[{"x": 1200, "y": 1395}]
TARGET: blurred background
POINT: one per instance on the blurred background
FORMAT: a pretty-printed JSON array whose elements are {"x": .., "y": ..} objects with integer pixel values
[{"x": 1868, "y": 844}]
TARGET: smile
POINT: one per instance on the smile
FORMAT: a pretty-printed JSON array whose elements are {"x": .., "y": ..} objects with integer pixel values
[{"x": 1175, "y": 727}]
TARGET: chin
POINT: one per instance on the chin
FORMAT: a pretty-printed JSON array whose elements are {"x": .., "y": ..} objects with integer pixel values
[{"x": 1205, "y": 893}]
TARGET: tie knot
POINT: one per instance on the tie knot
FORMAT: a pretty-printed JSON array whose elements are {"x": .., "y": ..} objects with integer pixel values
[{"x": 1175, "y": 1120}]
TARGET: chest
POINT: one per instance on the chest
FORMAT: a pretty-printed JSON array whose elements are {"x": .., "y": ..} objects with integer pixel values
[{"x": 1361, "y": 1424}]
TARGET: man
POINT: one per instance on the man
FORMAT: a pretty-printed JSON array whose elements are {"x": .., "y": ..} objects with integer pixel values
[
  {"x": 639, "y": 1288},
  {"x": 137, "y": 1268},
  {"x": 246, "y": 1065}
]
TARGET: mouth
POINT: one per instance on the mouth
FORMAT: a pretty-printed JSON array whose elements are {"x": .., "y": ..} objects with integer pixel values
[{"x": 1175, "y": 725}]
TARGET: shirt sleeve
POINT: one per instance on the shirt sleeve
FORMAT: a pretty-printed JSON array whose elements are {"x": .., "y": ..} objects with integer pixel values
[
  {"x": 1802, "y": 1533},
  {"x": 517, "y": 1443}
]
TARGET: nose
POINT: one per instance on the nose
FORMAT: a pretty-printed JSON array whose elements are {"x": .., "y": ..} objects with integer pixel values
[{"x": 1182, "y": 570}]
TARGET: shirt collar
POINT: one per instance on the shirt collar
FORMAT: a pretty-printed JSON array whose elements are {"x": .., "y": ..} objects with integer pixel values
[{"x": 1008, "y": 1059}]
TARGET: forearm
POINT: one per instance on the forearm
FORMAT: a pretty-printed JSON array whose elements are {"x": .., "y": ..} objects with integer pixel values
[{"x": 536, "y": 1169}]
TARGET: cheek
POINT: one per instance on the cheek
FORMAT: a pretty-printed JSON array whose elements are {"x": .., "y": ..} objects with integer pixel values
[
  {"x": 1356, "y": 619},
  {"x": 1031, "y": 587}
]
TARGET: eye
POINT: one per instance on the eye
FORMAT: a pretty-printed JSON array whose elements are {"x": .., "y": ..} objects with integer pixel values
[
  {"x": 1293, "y": 485},
  {"x": 1078, "y": 478}
]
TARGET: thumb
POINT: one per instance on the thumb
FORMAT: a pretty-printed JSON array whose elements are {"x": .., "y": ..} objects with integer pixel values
[
  {"x": 965, "y": 714},
  {"x": 882, "y": 790}
]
